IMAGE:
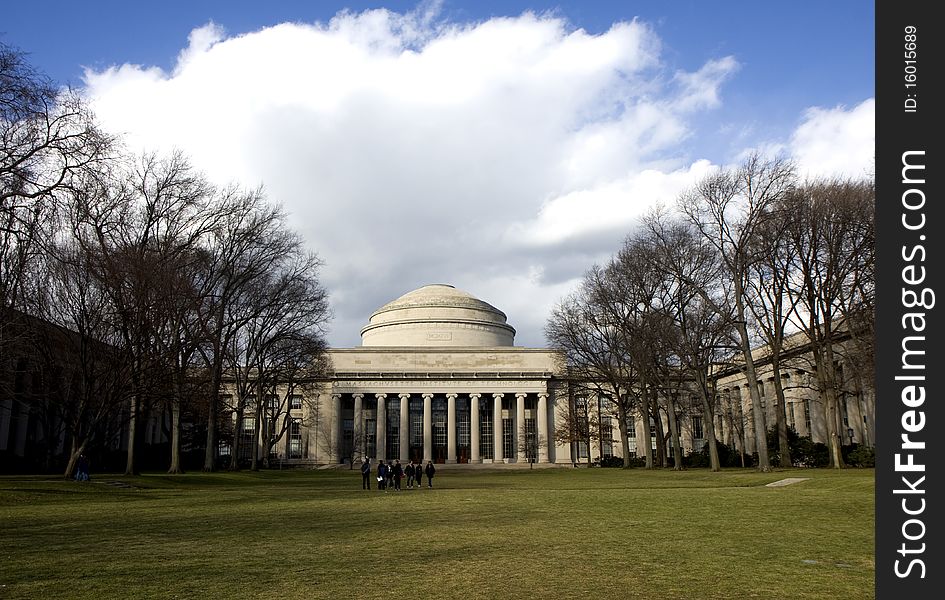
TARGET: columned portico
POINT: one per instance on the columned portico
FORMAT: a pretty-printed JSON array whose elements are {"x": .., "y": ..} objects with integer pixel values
[
  {"x": 450, "y": 428},
  {"x": 381, "y": 426},
  {"x": 431, "y": 360},
  {"x": 474, "y": 428},
  {"x": 404, "y": 428},
  {"x": 359, "y": 441},
  {"x": 497, "y": 428},
  {"x": 427, "y": 427}
]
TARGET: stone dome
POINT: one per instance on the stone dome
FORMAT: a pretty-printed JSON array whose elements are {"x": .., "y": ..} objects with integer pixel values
[{"x": 438, "y": 315}]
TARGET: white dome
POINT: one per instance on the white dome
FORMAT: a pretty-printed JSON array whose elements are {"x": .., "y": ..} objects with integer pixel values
[{"x": 437, "y": 315}]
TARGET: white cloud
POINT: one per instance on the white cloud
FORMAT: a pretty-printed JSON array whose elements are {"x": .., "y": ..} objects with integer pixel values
[
  {"x": 836, "y": 141},
  {"x": 503, "y": 156}
]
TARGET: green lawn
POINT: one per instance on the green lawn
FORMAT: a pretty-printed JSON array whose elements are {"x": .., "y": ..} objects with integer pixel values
[{"x": 555, "y": 533}]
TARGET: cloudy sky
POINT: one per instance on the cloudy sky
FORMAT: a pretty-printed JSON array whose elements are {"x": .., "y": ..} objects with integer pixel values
[{"x": 502, "y": 147}]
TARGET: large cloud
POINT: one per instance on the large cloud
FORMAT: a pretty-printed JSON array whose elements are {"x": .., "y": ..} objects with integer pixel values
[{"x": 504, "y": 156}]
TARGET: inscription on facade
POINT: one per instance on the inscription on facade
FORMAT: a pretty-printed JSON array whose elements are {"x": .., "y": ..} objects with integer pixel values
[{"x": 439, "y": 336}]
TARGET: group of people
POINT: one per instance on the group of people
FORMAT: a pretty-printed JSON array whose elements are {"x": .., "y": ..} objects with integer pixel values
[{"x": 390, "y": 474}]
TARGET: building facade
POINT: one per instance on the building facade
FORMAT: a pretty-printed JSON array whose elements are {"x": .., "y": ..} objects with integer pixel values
[{"x": 437, "y": 378}]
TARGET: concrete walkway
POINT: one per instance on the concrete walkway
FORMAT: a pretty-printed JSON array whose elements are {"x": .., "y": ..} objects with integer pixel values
[{"x": 788, "y": 481}]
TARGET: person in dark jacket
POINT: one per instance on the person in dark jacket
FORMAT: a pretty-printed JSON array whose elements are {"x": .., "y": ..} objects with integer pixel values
[
  {"x": 365, "y": 474},
  {"x": 430, "y": 472},
  {"x": 418, "y": 473},
  {"x": 410, "y": 473},
  {"x": 389, "y": 475},
  {"x": 381, "y": 475},
  {"x": 398, "y": 474}
]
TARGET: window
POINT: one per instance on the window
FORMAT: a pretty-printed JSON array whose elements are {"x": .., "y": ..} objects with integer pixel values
[
  {"x": 416, "y": 422},
  {"x": 607, "y": 436},
  {"x": 462, "y": 428},
  {"x": 439, "y": 428},
  {"x": 295, "y": 402},
  {"x": 789, "y": 409},
  {"x": 632, "y": 435},
  {"x": 393, "y": 427},
  {"x": 531, "y": 440},
  {"x": 697, "y": 428},
  {"x": 486, "y": 440},
  {"x": 272, "y": 401},
  {"x": 807, "y": 417},
  {"x": 295, "y": 438},
  {"x": 508, "y": 438}
]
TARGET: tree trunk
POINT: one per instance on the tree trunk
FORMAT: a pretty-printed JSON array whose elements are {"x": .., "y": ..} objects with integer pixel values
[
  {"x": 708, "y": 424},
  {"x": 761, "y": 443},
  {"x": 674, "y": 434},
  {"x": 828, "y": 389},
  {"x": 645, "y": 415},
  {"x": 131, "y": 467},
  {"x": 175, "y": 468},
  {"x": 784, "y": 448},
  {"x": 624, "y": 440}
]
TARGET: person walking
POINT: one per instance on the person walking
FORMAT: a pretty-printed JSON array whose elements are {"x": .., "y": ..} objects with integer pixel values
[
  {"x": 365, "y": 474},
  {"x": 389, "y": 476},
  {"x": 431, "y": 470},
  {"x": 381, "y": 475},
  {"x": 398, "y": 474},
  {"x": 410, "y": 474}
]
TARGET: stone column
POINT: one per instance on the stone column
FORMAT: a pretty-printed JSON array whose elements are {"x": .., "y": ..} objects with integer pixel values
[
  {"x": 497, "y": 428},
  {"x": 543, "y": 441},
  {"x": 381, "y": 438},
  {"x": 427, "y": 427},
  {"x": 474, "y": 428},
  {"x": 404, "y": 428},
  {"x": 336, "y": 427},
  {"x": 358, "y": 426},
  {"x": 520, "y": 427},
  {"x": 451, "y": 428}
]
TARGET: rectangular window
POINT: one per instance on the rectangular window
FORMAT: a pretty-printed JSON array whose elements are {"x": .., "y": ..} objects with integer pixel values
[
  {"x": 272, "y": 401},
  {"x": 531, "y": 440},
  {"x": 607, "y": 436},
  {"x": 295, "y": 402},
  {"x": 631, "y": 427},
  {"x": 508, "y": 438},
  {"x": 462, "y": 428},
  {"x": 393, "y": 427},
  {"x": 789, "y": 409},
  {"x": 295, "y": 438},
  {"x": 416, "y": 422},
  {"x": 439, "y": 429},
  {"x": 697, "y": 428},
  {"x": 486, "y": 440}
]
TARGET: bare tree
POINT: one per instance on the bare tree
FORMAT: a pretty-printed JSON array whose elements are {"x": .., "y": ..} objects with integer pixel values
[
  {"x": 728, "y": 208},
  {"x": 832, "y": 231},
  {"x": 691, "y": 297}
]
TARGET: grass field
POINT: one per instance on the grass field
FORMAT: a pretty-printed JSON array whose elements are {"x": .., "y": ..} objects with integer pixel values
[{"x": 551, "y": 533}]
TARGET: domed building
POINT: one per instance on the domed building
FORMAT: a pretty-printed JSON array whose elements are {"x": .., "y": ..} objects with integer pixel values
[{"x": 437, "y": 377}]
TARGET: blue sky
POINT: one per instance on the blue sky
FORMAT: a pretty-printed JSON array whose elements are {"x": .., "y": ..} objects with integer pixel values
[{"x": 555, "y": 137}]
